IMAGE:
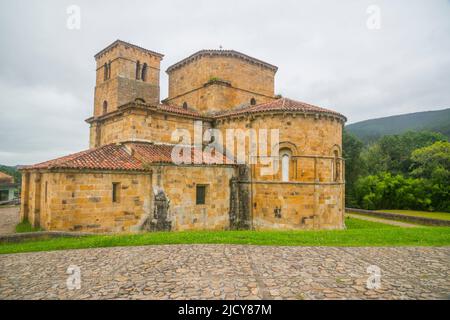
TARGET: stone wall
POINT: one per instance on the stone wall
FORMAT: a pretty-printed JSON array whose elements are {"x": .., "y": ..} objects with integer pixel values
[
  {"x": 140, "y": 125},
  {"x": 250, "y": 80},
  {"x": 179, "y": 184},
  {"x": 297, "y": 206},
  {"x": 77, "y": 201},
  {"x": 313, "y": 198},
  {"x": 122, "y": 86},
  {"x": 218, "y": 96}
]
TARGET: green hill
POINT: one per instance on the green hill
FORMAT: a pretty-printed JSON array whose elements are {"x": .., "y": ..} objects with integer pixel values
[{"x": 370, "y": 130}]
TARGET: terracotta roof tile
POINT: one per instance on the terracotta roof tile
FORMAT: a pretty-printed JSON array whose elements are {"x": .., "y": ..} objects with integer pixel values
[
  {"x": 283, "y": 104},
  {"x": 160, "y": 153},
  {"x": 128, "y": 156},
  {"x": 178, "y": 110},
  {"x": 108, "y": 157}
]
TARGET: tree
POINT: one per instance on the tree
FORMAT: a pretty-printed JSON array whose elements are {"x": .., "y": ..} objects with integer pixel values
[
  {"x": 433, "y": 164},
  {"x": 393, "y": 153},
  {"x": 351, "y": 152}
]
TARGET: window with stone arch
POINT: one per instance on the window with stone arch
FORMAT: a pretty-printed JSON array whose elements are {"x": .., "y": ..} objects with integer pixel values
[
  {"x": 144, "y": 72},
  {"x": 252, "y": 101},
  {"x": 336, "y": 165},
  {"x": 285, "y": 156},
  {"x": 105, "y": 107}
]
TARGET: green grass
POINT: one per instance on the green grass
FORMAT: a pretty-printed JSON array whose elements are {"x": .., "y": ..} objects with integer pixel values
[
  {"x": 358, "y": 233},
  {"x": 355, "y": 223},
  {"x": 423, "y": 214},
  {"x": 25, "y": 226}
]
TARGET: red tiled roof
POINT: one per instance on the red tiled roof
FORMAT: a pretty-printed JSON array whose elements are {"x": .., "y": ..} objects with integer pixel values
[
  {"x": 108, "y": 157},
  {"x": 128, "y": 156},
  {"x": 5, "y": 178},
  {"x": 160, "y": 153},
  {"x": 283, "y": 104},
  {"x": 178, "y": 110}
]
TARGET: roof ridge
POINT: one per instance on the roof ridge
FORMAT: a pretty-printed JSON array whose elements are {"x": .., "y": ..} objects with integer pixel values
[
  {"x": 221, "y": 52},
  {"x": 118, "y": 41}
]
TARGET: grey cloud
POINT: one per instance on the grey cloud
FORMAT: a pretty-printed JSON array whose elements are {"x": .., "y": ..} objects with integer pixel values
[{"x": 324, "y": 51}]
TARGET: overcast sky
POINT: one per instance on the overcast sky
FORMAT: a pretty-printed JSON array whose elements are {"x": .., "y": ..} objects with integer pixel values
[{"x": 325, "y": 52}]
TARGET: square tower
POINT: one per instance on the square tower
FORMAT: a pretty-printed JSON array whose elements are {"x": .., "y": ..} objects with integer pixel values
[{"x": 124, "y": 73}]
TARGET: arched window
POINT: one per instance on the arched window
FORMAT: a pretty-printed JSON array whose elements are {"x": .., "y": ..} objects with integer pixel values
[
  {"x": 285, "y": 155},
  {"x": 252, "y": 101},
  {"x": 185, "y": 105},
  {"x": 138, "y": 70},
  {"x": 337, "y": 167},
  {"x": 105, "y": 72},
  {"x": 105, "y": 107},
  {"x": 285, "y": 168},
  {"x": 144, "y": 72}
]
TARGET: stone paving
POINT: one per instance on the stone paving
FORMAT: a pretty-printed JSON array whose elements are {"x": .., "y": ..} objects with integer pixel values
[
  {"x": 9, "y": 218},
  {"x": 228, "y": 272}
]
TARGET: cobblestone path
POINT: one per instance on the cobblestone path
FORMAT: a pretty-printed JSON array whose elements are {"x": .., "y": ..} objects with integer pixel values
[{"x": 228, "y": 272}]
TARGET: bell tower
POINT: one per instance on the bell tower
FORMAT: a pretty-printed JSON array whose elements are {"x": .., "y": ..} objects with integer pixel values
[{"x": 124, "y": 73}]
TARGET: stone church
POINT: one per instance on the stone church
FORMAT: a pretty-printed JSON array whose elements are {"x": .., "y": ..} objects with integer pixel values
[{"x": 128, "y": 181}]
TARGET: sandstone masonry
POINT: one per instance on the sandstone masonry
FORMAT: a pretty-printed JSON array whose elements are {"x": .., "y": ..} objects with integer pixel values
[{"x": 127, "y": 180}]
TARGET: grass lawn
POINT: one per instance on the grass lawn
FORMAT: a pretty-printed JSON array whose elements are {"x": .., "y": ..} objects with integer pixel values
[
  {"x": 25, "y": 226},
  {"x": 358, "y": 233},
  {"x": 424, "y": 214}
]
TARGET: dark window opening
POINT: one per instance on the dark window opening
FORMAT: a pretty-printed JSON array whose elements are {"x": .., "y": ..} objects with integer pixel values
[
  {"x": 138, "y": 70},
  {"x": 109, "y": 70},
  {"x": 253, "y": 101},
  {"x": 200, "y": 194},
  {"x": 46, "y": 190},
  {"x": 105, "y": 72},
  {"x": 185, "y": 105},
  {"x": 115, "y": 192},
  {"x": 105, "y": 107},
  {"x": 4, "y": 195},
  {"x": 144, "y": 72}
]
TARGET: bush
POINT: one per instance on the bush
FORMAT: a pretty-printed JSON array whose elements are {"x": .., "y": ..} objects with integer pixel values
[{"x": 387, "y": 191}]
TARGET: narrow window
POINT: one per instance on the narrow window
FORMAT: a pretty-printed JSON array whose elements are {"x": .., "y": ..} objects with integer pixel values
[
  {"x": 253, "y": 101},
  {"x": 144, "y": 72},
  {"x": 185, "y": 105},
  {"x": 116, "y": 192},
  {"x": 46, "y": 190},
  {"x": 336, "y": 170},
  {"x": 105, "y": 107},
  {"x": 201, "y": 194},
  {"x": 138, "y": 70},
  {"x": 109, "y": 69},
  {"x": 105, "y": 72},
  {"x": 285, "y": 168}
]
